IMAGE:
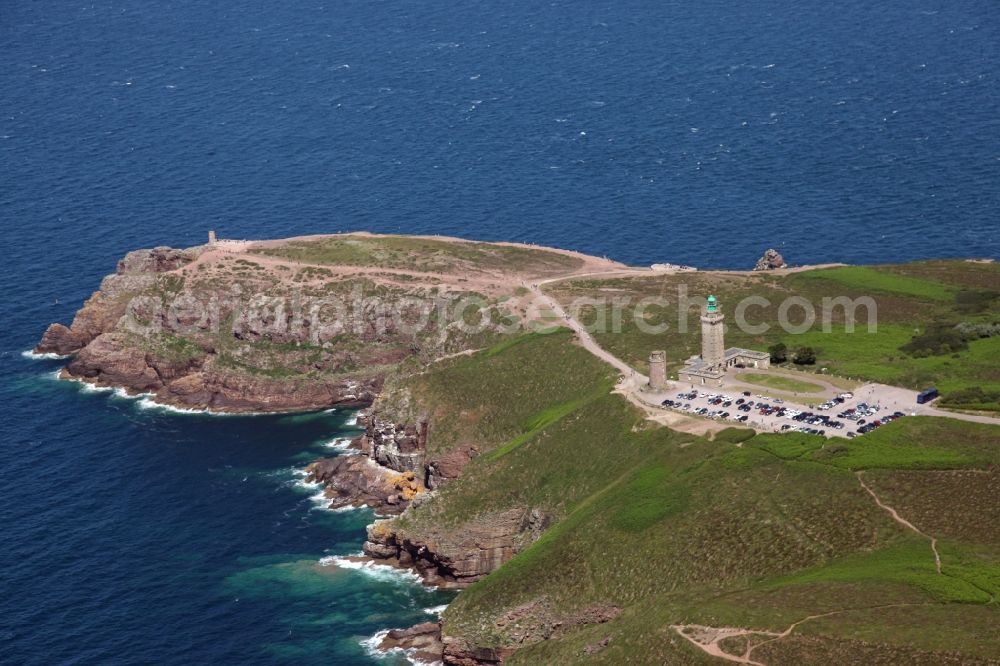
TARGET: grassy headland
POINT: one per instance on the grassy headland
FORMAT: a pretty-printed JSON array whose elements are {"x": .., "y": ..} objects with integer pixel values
[{"x": 739, "y": 530}]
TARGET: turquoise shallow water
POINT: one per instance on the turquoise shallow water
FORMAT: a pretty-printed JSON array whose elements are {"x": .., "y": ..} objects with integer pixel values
[{"x": 643, "y": 130}]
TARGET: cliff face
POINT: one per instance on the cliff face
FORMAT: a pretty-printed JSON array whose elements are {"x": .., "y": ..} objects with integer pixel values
[
  {"x": 457, "y": 557},
  {"x": 103, "y": 310},
  {"x": 392, "y": 471}
]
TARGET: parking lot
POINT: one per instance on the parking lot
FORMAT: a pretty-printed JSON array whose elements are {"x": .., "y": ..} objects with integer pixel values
[{"x": 847, "y": 415}]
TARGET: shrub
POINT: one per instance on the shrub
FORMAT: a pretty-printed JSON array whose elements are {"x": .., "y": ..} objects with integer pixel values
[
  {"x": 936, "y": 340},
  {"x": 976, "y": 331},
  {"x": 973, "y": 301},
  {"x": 804, "y": 356},
  {"x": 974, "y": 397},
  {"x": 779, "y": 352}
]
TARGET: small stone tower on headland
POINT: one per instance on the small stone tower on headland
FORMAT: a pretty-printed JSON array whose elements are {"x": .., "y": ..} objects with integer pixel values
[
  {"x": 211, "y": 237},
  {"x": 658, "y": 370},
  {"x": 713, "y": 346}
]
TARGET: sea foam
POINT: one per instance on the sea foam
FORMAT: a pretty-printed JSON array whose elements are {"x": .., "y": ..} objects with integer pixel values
[
  {"x": 380, "y": 572},
  {"x": 148, "y": 403},
  {"x": 43, "y": 357},
  {"x": 342, "y": 444},
  {"x": 371, "y": 646}
]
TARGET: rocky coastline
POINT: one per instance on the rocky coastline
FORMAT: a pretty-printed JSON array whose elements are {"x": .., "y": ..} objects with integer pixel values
[
  {"x": 140, "y": 333},
  {"x": 187, "y": 364}
]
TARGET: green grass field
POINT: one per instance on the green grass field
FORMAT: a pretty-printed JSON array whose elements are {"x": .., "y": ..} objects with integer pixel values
[
  {"x": 865, "y": 278},
  {"x": 908, "y": 299}
]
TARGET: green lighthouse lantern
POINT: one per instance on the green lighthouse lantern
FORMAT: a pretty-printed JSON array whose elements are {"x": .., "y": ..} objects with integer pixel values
[{"x": 712, "y": 305}]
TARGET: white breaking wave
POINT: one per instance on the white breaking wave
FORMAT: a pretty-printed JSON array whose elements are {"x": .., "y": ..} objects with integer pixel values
[
  {"x": 342, "y": 444},
  {"x": 43, "y": 357},
  {"x": 382, "y": 572},
  {"x": 148, "y": 403},
  {"x": 371, "y": 644},
  {"x": 122, "y": 394},
  {"x": 436, "y": 610},
  {"x": 301, "y": 482},
  {"x": 87, "y": 387},
  {"x": 320, "y": 498}
]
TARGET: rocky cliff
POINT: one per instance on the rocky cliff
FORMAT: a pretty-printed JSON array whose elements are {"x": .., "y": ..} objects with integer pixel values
[
  {"x": 457, "y": 557},
  {"x": 234, "y": 332}
]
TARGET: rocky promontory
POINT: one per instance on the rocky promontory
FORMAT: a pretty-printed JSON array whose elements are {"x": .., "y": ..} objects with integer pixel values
[{"x": 301, "y": 324}]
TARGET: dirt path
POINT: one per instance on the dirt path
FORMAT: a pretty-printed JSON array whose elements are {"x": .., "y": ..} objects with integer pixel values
[
  {"x": 707, "y": 639},
  {"x": 902, "y": 521},
  {"x": 586, "y": 339}
]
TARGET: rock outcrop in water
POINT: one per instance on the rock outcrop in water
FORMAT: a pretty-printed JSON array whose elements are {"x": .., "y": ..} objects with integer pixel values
[
  {"x": 421, "y": 642},
  {"x": 358, "y": 481},
  {"x": 393, "y": 469},
  {"x": 771, "y": 260}
]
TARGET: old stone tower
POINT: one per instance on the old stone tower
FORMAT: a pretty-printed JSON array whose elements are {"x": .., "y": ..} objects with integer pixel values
[
  {"x": 713, "y": 347},
  {"x": 658, "y": 370},
  {"x": 211, "y": 237}
]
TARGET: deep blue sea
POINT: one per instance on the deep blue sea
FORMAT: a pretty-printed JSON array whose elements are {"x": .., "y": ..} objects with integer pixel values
[{"x": 691, "y": 132}]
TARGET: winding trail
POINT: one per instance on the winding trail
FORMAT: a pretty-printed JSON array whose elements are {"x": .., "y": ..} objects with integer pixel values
[
  {"x": 902, "y": 521},
  {"x": 586, "y": 339},
  {"x": 707, "y": 639}
]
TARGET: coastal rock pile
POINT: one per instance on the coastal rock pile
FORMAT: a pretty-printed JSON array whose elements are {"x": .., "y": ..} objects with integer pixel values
[
  {"x": 421, "y": 642},
  {"x": 771, "y": 260},
  {"x": 389, "y": 474},
  {"x": 358, "y": 481}
]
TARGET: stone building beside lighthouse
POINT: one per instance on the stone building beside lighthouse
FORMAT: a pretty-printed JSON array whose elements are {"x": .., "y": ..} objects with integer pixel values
[
  {"x": 710, "y": 368},
  {"x": 658, "y": 370}
]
